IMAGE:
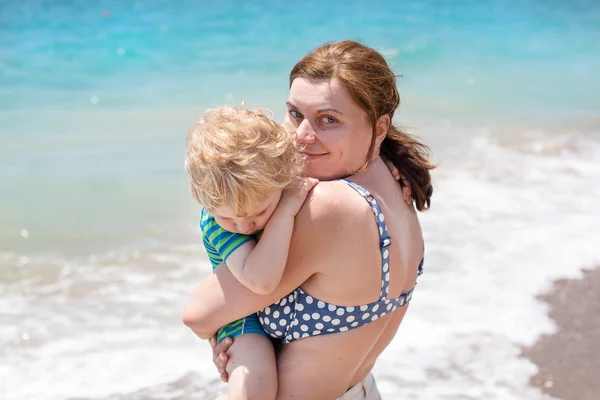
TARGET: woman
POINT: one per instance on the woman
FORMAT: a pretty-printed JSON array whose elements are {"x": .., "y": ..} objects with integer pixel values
[{"x": 357, "y": 247}]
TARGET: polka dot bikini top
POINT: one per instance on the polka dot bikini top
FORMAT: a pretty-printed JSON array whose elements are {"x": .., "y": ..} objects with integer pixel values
[{"x": 299, "y": 315}]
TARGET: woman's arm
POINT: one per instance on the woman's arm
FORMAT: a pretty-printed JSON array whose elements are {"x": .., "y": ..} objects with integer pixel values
[{"x": 221, "y": 299}]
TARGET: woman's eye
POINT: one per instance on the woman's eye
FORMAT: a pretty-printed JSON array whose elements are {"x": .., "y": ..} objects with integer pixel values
[
  {"x": 295, "y": 114},
  {"x": 328, "y": 120}
]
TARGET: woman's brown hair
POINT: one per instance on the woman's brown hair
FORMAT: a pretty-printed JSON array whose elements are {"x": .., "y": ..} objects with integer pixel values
[{"x": 372, "y": 85}]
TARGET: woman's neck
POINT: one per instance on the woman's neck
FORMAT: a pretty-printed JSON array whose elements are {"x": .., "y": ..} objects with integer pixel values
[{"x": 375, "y": 169}]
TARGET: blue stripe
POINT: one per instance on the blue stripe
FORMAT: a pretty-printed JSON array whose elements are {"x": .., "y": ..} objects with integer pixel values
[
  {"x": 222, "y": 236},
  {"x": 214, "y": 227},
  {"x": 233, "y": 239}
]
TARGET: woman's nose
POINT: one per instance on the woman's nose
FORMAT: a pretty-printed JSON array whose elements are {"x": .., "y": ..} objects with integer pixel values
[{"x": 305, "y": 133}]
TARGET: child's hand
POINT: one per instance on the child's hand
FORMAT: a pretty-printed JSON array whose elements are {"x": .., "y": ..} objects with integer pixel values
[
  {"x": 293, "y": 197},
  {"x": 406, "y": 190},
  {"x": 393, "y": 169}
]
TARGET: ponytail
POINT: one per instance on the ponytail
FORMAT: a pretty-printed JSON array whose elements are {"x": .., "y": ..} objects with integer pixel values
[{"x": 410, "y": 157}]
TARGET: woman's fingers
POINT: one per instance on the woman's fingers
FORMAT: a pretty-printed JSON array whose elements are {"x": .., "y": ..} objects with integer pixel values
[
  {"x": 225, "y": 377},
  {"x": 221, "y": 363},
  {"x": 220, "y": 356}
]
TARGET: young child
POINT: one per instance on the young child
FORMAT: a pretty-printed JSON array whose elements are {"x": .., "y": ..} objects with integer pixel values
[{"x": 244, "y": 169}]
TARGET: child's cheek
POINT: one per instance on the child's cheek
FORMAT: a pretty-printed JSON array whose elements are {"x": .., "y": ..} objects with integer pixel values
[{"x": 230, "y": 227}]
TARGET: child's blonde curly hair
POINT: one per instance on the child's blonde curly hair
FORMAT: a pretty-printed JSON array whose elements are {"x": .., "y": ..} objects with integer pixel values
[{"x": 238, "y": 158}]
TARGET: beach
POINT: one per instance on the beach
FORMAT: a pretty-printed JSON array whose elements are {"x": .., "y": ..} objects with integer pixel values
[
  {"x": 568, "y": 360},
  {"x": 99, "y": 236}
]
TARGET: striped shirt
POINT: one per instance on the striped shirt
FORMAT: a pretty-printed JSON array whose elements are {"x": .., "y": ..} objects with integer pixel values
[{"x": 218, "y": 242}]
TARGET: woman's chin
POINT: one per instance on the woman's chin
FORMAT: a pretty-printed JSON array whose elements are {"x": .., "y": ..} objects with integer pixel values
[
  {"x": 317, "y": 170},
  {"x": 320, "y": 176}
]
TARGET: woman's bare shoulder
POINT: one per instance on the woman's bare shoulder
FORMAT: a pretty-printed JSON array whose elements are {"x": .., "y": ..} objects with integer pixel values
[
  {"x": 330, "y": 201},
  {"x": 331, "y": 208}
]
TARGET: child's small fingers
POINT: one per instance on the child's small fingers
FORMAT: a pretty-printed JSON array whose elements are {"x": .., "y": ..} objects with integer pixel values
[{"x": 309, "y": 183}]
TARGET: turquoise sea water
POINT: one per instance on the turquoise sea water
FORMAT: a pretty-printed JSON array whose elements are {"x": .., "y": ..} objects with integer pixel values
[
  {"x": 58, "y": 54},
  {"x": 98, "y": 240},
  {"x": 95, "y": 99}
]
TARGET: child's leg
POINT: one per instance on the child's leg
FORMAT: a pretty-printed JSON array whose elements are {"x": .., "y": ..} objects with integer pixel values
[{"x": 252, "y": 368}]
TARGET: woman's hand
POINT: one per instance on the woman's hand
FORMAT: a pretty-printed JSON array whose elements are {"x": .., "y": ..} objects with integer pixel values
[{"x": 220, "y": 356}]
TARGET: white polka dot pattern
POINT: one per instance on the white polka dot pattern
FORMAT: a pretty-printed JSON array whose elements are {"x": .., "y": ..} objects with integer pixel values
[{"x": 300, "y": 315}]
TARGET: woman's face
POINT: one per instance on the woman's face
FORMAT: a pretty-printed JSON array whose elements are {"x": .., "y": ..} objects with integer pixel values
[{"x": 333, "y": 130}]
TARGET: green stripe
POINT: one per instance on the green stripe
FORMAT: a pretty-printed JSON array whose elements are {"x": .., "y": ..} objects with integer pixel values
[
  {"x": 229, "y": 243},
  {"x": 230, "y": 329},
  {"x": 218, "y": 242}
]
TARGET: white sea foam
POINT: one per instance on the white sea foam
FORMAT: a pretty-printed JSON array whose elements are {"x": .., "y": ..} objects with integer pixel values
[{"x": 506, "y": 221}]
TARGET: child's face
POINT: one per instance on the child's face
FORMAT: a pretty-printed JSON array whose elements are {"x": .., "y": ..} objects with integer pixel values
[{"x": 256, "y": 221}]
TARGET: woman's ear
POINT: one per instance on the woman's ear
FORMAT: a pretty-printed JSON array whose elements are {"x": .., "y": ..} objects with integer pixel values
[{"x": 383, "y": 126}]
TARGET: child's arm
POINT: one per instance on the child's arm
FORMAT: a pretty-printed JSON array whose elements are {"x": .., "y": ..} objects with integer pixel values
[{"x": 259, "y": 266}]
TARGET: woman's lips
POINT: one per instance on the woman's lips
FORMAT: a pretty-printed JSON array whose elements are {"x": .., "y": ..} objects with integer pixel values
[{"x": 312, "y": 156}]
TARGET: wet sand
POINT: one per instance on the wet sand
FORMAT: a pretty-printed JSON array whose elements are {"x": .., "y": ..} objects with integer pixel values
[{"x": 569, "y": 361}]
